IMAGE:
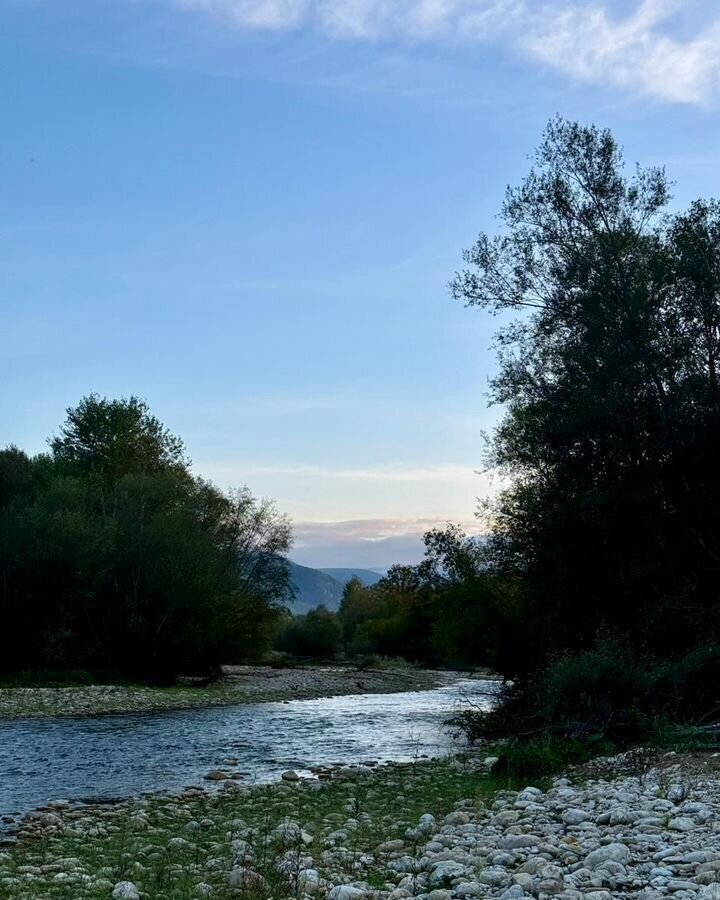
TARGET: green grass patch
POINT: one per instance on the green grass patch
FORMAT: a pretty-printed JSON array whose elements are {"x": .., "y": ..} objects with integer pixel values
[{"x": 169, "y": 847}]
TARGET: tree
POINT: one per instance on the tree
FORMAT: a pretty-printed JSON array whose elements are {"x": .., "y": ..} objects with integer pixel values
[
  {"x": 318, "y": 633},
  {"x": 16, "y": 474},
  {"x": 113, "y": 555},
  {"x": 107, "y": 439},
  {"x": 609, "y": 381}
]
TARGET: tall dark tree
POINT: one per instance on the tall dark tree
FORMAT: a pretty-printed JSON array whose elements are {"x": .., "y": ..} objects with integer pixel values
[{"x": 608, "y": 375}]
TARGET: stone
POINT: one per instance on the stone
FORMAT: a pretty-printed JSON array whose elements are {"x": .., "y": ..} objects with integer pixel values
[
  {"x": 393, "y": 846},
  {"x": 346, "y": 892},
  {"x": 125, "y": 890},
  {"x": 247, "y": 880},
  {"x": 457, "y": 818},
  {"x": 516, "y": 841},
  {"x": 290, "y": 775},
  {"x": 681, "y": 823},
  {"x": 575, "y": 816},
  {"x": 308, "y": 881},
  {"x": 467, "y": 889},
  {"x": 615, "y": 852},
  {"x": 445, "y": 872}
]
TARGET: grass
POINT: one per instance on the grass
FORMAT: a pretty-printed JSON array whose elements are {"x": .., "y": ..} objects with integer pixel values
[
  {"x": 38, "y": 678},
  {"x": 170, "y": 846}
]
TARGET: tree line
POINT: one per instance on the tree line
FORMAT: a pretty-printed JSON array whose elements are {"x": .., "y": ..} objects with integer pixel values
[
  {"x": 113, "y": 555},
  {"x": 442, "y": 612}
]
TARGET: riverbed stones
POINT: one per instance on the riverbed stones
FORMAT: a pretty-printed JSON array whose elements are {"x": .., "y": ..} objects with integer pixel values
[
  {"x": 607, "y": 836},
  {"x": 239, "y": 684}
]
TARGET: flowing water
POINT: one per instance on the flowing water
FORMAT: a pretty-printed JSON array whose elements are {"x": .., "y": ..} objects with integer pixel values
[{"x": 127, "y": 755}]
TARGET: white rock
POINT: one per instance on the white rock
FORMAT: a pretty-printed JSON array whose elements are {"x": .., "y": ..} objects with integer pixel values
[
  {"x": 308, "y": 881},
  {"x": 346, "y": 892},
  {"x": 125, "y": 890}
]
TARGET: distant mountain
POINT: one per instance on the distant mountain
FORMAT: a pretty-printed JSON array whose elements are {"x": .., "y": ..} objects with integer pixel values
[
  {"x": 367, "y": 576},
  {"x": 314, "y": 588},
  {"x": 323, "y": 587}
]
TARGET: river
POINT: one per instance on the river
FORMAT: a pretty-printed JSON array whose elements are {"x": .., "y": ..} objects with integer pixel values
[{"x": 105, "y": 757}]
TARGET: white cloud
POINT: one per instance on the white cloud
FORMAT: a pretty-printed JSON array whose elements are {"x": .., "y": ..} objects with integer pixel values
[
  {"x": 641, "y": 49},
  {"x": 371, "y": 530},
  {"x": 378, "y": 474},
  {"x": 636, "y": 52},
  {"x": 370, "y": 543},
  {"x": 329, "y": 494}
]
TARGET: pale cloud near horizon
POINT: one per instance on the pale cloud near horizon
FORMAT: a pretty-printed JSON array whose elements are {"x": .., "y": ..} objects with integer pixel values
[
  {"x": 397, "y": 473},
  {"x": 327, "y": 494},
  {"x": 369, "y": 516},
  {"x": 373, "y": 530},
  {"x": 642, "y": 50},
  {"x": 369, "y": 543}
]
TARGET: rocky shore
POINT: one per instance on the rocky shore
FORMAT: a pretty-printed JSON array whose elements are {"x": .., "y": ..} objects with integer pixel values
[
  {"x": 635, "y": 826},
  {"x": 239, "y": 684}
]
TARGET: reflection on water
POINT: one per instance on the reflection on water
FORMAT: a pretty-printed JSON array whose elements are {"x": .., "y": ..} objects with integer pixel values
[{"x": 120, "y": 756}]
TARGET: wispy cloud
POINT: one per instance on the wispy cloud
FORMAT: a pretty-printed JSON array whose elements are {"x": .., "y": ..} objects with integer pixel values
[
  {"x": 371, "y": 530},
  {"x": 371, "y": 543},
  {"x": 395, "y": 473},
  {"x": 641, "y": 49}
]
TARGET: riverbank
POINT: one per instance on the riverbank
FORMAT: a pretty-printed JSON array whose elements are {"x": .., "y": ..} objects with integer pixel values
[
  {"x": 632, "y": 826},
  {"x": 240, "y": 684}
]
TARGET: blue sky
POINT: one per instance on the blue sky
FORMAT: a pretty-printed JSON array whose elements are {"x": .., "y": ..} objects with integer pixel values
[{"x": 247, "y": 212}]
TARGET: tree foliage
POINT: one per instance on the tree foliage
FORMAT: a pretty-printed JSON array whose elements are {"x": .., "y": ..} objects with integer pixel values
[
  {"x": 113, "y": 555},
  {"x": 608, "y": 374},
  {"x": 316, "y": 634}
]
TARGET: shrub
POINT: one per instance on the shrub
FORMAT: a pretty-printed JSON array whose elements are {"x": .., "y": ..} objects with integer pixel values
[
  {"x": 318, "y": 633},
  {"x": 605, "y": 693},
  {"x": 545, "y": 756}
]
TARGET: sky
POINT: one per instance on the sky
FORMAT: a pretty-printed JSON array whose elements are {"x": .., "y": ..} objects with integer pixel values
[{"x": 248, "y": 212}]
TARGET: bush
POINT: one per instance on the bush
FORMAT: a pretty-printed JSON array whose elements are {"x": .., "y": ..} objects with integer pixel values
[
  {"x": 546, "y": 756},
  {"x": 318, "y": 633},
  {"x": 606, "y": 693},
  {"x": 688, "y": 690}
]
